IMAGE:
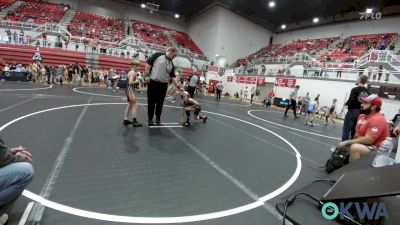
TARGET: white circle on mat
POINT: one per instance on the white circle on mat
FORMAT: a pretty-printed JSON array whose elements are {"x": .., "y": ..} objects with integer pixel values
[{"x": 161, "y": 220}]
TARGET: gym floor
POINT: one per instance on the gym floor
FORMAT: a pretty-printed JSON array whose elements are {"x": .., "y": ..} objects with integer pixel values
[{"x": 90, "y": 169}]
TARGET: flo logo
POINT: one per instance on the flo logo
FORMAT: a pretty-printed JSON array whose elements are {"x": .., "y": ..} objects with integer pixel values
[
  {"x": 372, "y": 16},
  {"x": 377, "y": 211}
]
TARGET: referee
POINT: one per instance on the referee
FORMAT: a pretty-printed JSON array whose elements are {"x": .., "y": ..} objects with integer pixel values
[
  {"x": 193, "y": 81},
  {"x": 159, "y": 71}
]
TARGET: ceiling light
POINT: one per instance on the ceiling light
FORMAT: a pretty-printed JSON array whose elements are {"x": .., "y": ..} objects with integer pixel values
[
  {"x": 316, "y": 20},
  {"x": 283, "y": 26},
  {"x": 271, "y": 4},
  {"x": 143, "y": 5},
  {"x": 369, "y": 11},
  {"x": 216, "y": 55},
  {"x": 177, "y": 16}
]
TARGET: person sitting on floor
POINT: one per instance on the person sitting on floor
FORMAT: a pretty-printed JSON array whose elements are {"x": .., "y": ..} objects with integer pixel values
[
  {"x": 16, "y": 173},
  {"x": 371, "y": 130}
]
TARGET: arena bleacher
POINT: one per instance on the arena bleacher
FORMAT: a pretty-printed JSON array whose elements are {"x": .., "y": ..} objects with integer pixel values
[
  {"x": 5, "y": 3},
  {"x": 99, "y": 27},
  {"x": 33, "y": 11}
]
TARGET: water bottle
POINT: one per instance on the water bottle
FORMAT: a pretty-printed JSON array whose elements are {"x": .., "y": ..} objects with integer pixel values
[{"x": 382, "y": 157}]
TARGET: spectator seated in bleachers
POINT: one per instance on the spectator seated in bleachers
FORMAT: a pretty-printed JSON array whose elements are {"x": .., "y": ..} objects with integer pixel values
[
  {"x": 35, "y": 11},
  {"x": 5, "y": 3},
  {"x": 97, "y": 27}
]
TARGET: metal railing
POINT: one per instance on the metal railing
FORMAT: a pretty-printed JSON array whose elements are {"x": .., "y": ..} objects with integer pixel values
[
  {"x": 59, "y": 29},
  {"x": 380, "y": 56},
  {"x": 349, "y": 74}
]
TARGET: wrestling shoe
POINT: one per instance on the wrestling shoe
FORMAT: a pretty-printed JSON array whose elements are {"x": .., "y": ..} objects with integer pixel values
[
  {"x": 127, "y": 122},
  {"x": 137, "y": 124}
]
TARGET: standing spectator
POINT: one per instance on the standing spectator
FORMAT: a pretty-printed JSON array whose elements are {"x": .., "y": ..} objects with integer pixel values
[
  {"x": 369, "y": 72},
  {"x": 270, "y": 96},
  {"x": 159, "y": 71},
  {"x": 305, "y": 103},
  {"x": 245, "y": 92},
  {"x": 317, "y": 98},
  {"x": 219, "y": 88},
  {"x": 9, "y": 35},
  {"x": 44, "y": 37},
  {"x": 16, "y": 173},
  {"x": 387, "y": 75},
  {"x": 192, "y": 84},
  {"x": 292, "y": 102},
  {"x": 66, "y": 44},
  {"x": 252, "y": 94},
  {"x": 263, "y": 69},
  {"x": 353, "y": 106},
  {"x": 15, "y": 35},
  {"x": 339, "y": 72},
  {"x": 380, "y": 72},
  {"x": 76, "y": 74},
  {"x": 21, "y": 37}
]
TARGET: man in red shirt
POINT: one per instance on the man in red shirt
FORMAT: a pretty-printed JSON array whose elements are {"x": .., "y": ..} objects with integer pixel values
[{"x": 371, "y": 129}]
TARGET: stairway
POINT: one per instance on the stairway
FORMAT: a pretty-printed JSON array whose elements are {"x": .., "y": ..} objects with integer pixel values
[
  {"x": 68, "y": 16},
  {"x": 396, "y": 43},
  {"x": 10, "y": 8},
  {"x": 170, "y": 38},
  {"x": 325, "y": 50}
]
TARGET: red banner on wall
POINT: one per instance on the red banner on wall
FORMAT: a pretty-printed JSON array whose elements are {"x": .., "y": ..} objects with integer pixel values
[
  {"x": 285, "y": 82},
  {"x": 261, "y": 81},
  {"x": 246, "y": 79}
]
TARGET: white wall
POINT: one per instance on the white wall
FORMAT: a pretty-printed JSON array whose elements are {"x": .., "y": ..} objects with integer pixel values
[
  {"x": 203, "y": 30},
  {"x": 119, "y": 9},
  {"x": 342, "y": 30},
  {"x": 220, "y": 31},
  {"x": 238, "y": 36}
]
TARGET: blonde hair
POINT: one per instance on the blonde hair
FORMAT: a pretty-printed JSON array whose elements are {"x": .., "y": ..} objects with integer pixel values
[{"x": 135, "y": 62}]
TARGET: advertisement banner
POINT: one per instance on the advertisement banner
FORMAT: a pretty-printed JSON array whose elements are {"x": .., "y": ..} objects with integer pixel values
[
  {"x": 247, "y": 79},
  {"x": 261, "y": 81},
  {"x": 285, "y": 82}
]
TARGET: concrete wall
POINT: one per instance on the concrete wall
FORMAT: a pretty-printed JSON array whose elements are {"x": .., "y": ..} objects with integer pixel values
[
  {"x": 342, "y": 30},
  {"x": 219, "y": 31},
  {"x": 203, "y": 30}
]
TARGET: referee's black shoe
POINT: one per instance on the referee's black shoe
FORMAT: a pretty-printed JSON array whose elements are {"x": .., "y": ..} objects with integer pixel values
[{"x": 150, "y": 123}]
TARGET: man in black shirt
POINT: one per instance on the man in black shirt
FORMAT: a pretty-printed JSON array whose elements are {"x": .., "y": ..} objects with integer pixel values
[
  {"x": 159, "y": 71},
  {"x": 353, "y": 106}
]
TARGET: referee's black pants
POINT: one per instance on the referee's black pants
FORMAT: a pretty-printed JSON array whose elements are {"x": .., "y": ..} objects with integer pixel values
[
  {"x": 292, "y": 104},
  {"x": 156, "y": 92},
  {"x": 191, "y": 91}
]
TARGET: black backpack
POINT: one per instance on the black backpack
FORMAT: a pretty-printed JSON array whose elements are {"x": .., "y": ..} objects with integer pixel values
[{"x": 339, "y": 158}]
